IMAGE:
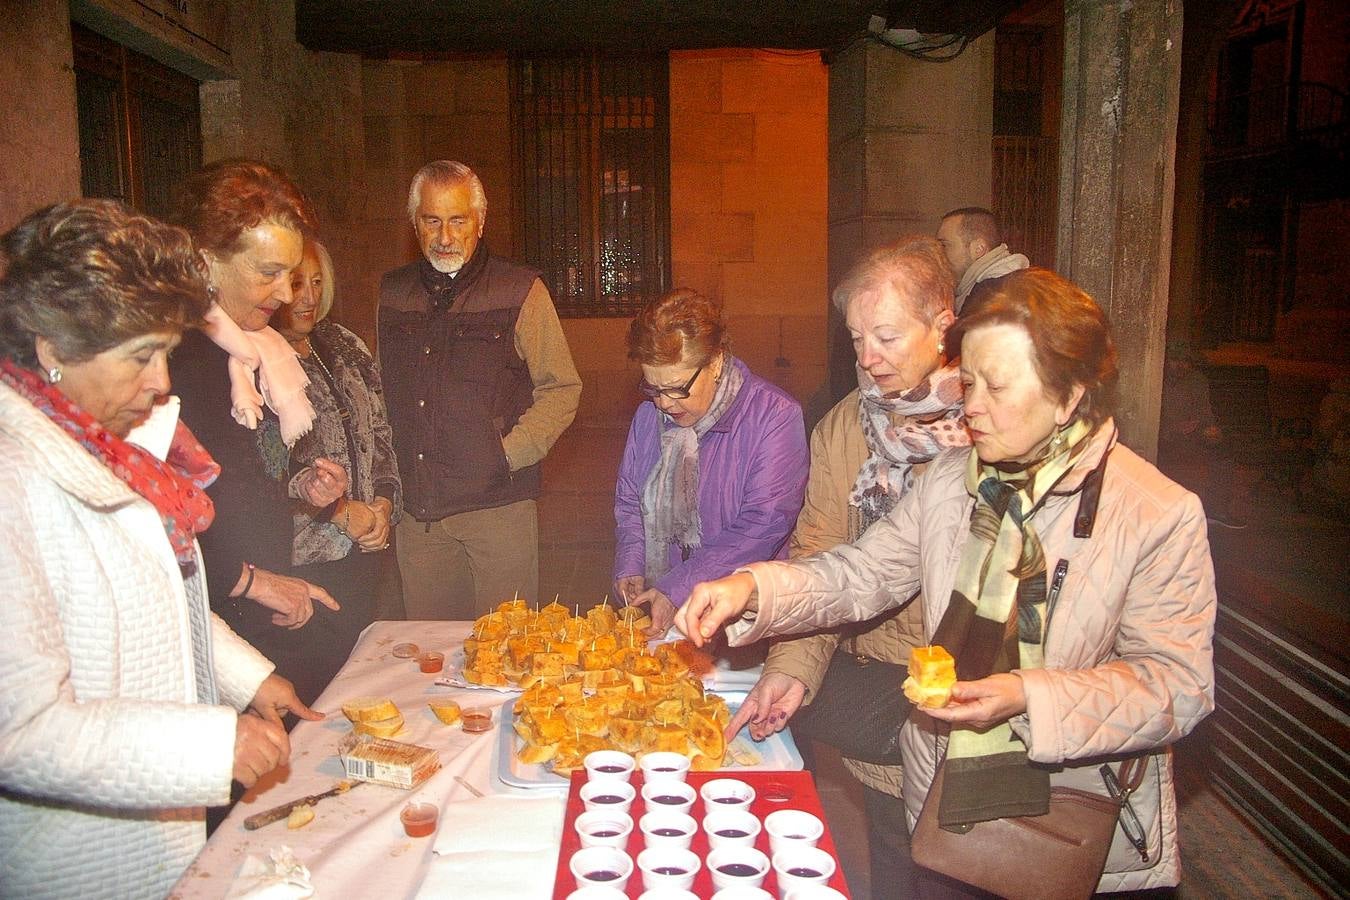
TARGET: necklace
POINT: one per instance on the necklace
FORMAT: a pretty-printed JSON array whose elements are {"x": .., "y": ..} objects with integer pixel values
[{"x": 319, "y": 359}]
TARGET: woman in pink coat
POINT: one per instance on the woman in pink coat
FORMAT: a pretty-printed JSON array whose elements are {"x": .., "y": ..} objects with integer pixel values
[{"x": 1068, "y": 577}]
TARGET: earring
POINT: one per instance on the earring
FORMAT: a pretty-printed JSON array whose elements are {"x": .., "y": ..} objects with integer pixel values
[
  {"x": 1058, "y": 440},
  {"x": 942, "y": 347},
  {"x": 53, "y": 374}
]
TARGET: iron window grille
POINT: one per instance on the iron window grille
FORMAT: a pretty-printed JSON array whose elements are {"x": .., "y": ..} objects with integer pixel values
[{"x": 591, "y": 140}]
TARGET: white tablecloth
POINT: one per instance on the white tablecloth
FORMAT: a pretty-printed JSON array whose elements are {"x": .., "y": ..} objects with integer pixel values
[{"x": 355, "y": 847}]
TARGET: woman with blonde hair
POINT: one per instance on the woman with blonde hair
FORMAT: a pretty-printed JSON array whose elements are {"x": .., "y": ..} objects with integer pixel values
[{"x": 341, "y": 548}]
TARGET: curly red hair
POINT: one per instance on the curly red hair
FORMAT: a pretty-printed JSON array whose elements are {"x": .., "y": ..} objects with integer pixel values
[{"x": 227, "y": 198}]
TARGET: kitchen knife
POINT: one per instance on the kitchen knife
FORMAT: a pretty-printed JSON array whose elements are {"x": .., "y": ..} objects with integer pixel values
[{"x": 277, "y": 813}]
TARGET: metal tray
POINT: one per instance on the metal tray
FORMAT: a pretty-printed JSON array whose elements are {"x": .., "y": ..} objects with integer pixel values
[{"x": 776, "y": 753}]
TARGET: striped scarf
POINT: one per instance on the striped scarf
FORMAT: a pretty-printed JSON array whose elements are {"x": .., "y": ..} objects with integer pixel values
[{"x": 995, "y": 622}]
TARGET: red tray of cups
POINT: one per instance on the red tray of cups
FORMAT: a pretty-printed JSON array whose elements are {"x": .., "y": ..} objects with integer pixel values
[{"x": 774, "y": 791}]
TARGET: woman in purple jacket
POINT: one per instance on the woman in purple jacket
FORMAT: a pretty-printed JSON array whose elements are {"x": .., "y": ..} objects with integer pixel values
[{"x": 715, "y": 466}]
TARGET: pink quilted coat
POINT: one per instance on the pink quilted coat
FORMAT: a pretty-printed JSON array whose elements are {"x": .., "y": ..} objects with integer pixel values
[{"x": 1128, "y": 667}]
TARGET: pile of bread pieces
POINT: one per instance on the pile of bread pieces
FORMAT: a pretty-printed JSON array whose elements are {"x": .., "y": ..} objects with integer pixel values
[{"x": 590, "y": 683}]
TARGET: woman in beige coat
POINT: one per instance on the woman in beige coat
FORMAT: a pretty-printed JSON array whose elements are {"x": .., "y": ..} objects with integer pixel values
[
  {"x": 865, "y": 454},
  {"x": 1069, "y": 578}
]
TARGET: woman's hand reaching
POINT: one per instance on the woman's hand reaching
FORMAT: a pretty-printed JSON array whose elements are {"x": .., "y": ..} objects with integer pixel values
[
  {"x": 662, "y": 611},
  {"x": 628, "y": 588},
  {"x": 983, "y": 703},
  {"x": 773, "y": 700},
  {"x": 712, "y": 603}
]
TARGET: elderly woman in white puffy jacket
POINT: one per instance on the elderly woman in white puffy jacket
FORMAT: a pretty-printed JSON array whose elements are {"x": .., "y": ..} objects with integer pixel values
[
  {"x": 122, "y": 697},
  {"x": 1068, "y": 577}
]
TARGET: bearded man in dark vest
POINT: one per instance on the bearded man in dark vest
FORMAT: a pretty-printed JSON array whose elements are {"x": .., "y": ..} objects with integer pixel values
[{"x": 479, "y": 384}]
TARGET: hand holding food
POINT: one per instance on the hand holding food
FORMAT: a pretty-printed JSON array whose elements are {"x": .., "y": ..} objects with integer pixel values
[
  {"x": 932, "y": 672},
  {"x": 985, "y": 702}
]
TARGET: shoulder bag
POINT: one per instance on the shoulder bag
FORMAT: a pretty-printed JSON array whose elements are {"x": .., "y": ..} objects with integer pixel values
[{"x": 1057, "y": 856}]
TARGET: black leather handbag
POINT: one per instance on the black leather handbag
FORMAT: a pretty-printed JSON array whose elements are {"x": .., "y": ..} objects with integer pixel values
[{"x": 858, "y": 709}]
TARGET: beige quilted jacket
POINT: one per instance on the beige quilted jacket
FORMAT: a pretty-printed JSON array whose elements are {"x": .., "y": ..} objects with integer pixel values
[
  {"x": 1129, "y": 663},
  {"x": 106, "y": 757},
  {"x": 838, "y": 450}
]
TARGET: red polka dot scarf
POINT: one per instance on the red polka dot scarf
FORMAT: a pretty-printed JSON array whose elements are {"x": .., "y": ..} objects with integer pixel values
[{"x": 175, "y": 486}]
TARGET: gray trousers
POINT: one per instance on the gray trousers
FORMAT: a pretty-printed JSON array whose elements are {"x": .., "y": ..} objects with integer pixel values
[{"x": 462, "y": 566}]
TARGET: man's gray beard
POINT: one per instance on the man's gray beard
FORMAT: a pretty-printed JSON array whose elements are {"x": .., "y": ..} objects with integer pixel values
[{"x": 446, "y": 266}]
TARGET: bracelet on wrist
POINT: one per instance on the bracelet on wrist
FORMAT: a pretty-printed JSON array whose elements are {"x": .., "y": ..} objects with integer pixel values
[{"x": 252, "y": 570}]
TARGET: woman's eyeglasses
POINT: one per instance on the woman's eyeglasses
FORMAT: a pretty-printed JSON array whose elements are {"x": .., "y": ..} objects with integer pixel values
[{"x": 651, "y": 391}]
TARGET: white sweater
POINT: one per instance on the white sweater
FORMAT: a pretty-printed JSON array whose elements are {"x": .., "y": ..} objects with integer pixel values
[{"x": 106, "y": 755}]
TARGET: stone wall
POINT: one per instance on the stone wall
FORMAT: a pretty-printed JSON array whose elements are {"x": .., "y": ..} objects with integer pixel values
[
  {"x": 748, "y": 181},
  {"x": 300, "y": 110},
  {"x": 39, "y": 138}
]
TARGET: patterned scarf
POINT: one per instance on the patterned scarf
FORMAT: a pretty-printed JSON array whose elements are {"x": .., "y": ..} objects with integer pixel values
[
  {"x": 932, "y": 410},
  {"x": 670, "y": 497},
  {"x": 995, "y": 622},
  {"x": 175, "y": 486}
]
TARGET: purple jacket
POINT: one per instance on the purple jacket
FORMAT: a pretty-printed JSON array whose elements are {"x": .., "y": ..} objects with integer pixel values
[{"x": 752, "y": 475}]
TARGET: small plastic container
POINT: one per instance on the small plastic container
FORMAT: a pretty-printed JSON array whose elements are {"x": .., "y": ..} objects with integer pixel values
[
  {"x": 726, "y": 793},
  {"x": 664, "y": 766},
  {"x": 731, "y": 866},
  {"x": 797, "y": 867},
  {"x": 419, "y": 818},
  {"x": 731, "y": 828},
  {"x": 667, "y": 893},
  {"x": 814, "y": 892},
  {"x": 406, "y": 651},
  {"x": 607, "y": 796},
  {"x": 790, "y": 828},
  {"x": 604, "y": 866},
  {"x": 675, "y": 796},
  {"x": 609, "y": 765},
  {"x": 742, "y": 892},
  {"x": 668, "y": 867},
  {"x": 431, "y": 661},
  {"x": 597, "y": 892},
  {"x": 662, "y": 828},
  {"x": 476, "y": 719},
  {"x": 604, "y": 828}
]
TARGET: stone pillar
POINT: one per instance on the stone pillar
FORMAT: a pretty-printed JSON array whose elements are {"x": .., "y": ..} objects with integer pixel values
[
  {"x": 909, "y": 140},
  {"x": 39, "y": 131},
  {"x": 1122, "y": 69}
]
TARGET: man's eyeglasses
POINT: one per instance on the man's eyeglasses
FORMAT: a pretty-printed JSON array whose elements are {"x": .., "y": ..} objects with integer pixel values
[{"x": 651, "y": 391}]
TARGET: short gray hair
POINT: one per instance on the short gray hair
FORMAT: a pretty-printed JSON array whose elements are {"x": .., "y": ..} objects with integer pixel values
[
  {"x": 444, "y": 172},
  {"x": 915, "y": 265}
]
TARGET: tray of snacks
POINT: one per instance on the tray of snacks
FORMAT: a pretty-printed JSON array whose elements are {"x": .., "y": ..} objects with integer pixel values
[
  {"x": 521, "y": 760},
  {"x": 515, "y": 646},
  {"x": 635, "y": 829}
]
